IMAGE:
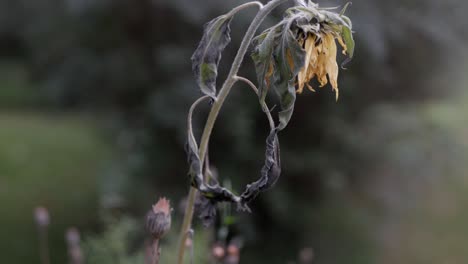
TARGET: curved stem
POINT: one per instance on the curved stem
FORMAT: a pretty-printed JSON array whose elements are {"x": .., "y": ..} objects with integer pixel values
[
  {"x": 244, "y": 6},
  {"x": 190, "y": 114},
  {"x": 263, "y": 104},
  {"x": 223, "y": 93},
  {"x": 248, "y": 82}
]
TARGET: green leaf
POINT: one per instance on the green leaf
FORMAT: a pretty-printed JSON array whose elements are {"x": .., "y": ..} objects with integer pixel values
[
  {"x": 270, "y": 172},
  {"x": 347, "y": 36},
  {"x": 206, "y": 57},
  {"x": 289, "y": 57}
]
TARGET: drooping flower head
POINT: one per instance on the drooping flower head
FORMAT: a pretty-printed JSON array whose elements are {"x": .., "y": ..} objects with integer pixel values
[
  {"x": 299, "y": 48},
  {"x": 318, "y": 31}
]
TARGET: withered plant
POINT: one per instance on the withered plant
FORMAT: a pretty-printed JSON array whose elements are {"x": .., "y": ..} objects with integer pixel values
[{"x": 287, "y": 56}]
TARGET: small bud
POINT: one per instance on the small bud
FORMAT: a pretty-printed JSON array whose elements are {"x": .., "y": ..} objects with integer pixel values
[
  {"x": 158, "y": 220},
  {"x": 41, "y": 215},
  {"x": 218, "y": 251}
]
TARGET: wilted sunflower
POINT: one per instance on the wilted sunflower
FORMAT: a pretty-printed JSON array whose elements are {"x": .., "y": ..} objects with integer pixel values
[
  {"x": 318, "y": 31},
  {"x": 320, "y": 61},
  {"x": 299, "y": 48}
]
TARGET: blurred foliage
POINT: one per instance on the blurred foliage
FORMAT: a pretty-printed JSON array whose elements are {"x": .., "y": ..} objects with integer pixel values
[
  {"x": 51, "y": 160},
  {"x": 113, "y": 245},
  {"x": 121, "y": 243},
  {"x": 352, "y": 169}
]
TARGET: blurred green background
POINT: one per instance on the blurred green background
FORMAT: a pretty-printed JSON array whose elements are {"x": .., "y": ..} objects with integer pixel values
[{"x": 93, "y": 101}]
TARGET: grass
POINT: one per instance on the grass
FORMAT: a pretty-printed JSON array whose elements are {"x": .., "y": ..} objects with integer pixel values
[
  {"x": 16, "y": 90},
  {"x": 51, "y": 160}
]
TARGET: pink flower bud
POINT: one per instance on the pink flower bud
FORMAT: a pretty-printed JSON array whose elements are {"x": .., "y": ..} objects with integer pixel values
[{"x": 158, "y": 220}]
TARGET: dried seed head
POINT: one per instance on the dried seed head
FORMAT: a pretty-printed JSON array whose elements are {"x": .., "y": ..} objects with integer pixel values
[
  {"x": 158, "y": 220},
  {"x": 41, "y": 215}
]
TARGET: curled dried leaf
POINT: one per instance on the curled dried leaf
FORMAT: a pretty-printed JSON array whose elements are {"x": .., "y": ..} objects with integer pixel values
[
  {"x": 206, "y": 57},
  {"x": 270, "y": 172}
]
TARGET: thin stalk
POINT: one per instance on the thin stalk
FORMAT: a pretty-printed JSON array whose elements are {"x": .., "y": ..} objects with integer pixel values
[
  {"x": 156, "y": 251},
  {"x": 44, "y": 245},
  {"x": 190, "y": 114},
  {"x": 223, "y": 93}
]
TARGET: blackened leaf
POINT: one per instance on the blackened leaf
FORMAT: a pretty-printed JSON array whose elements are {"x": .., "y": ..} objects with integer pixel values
[
  {"x": 206, "y": 210},
  {"x": 289, "y": 56},
  {"x": 193, "y": 160},
  {"x": 263, "y": 59},
  {"x": 270, "y": 172},
  {"x": 214, "y": 192},
  {"x": 206, "y": 57}
]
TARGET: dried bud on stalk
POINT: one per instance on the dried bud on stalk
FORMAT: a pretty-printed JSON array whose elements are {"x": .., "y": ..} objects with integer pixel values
[
  {"x": 158, "y": 220},
  {"x": 72, "y": 237},
  {"x": 41, "y": 215}
]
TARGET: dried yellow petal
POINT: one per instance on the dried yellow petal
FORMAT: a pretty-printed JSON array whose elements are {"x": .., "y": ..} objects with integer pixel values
[
  {"x": 320, "y": 61},
  {"x": 302, "y": 76},
  {"x": 343, "y": 45},
  {"x": 330, "y": 64}
]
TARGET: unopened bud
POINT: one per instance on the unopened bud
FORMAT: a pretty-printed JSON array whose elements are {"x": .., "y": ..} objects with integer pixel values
[{"x": 158, "y": 220}]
